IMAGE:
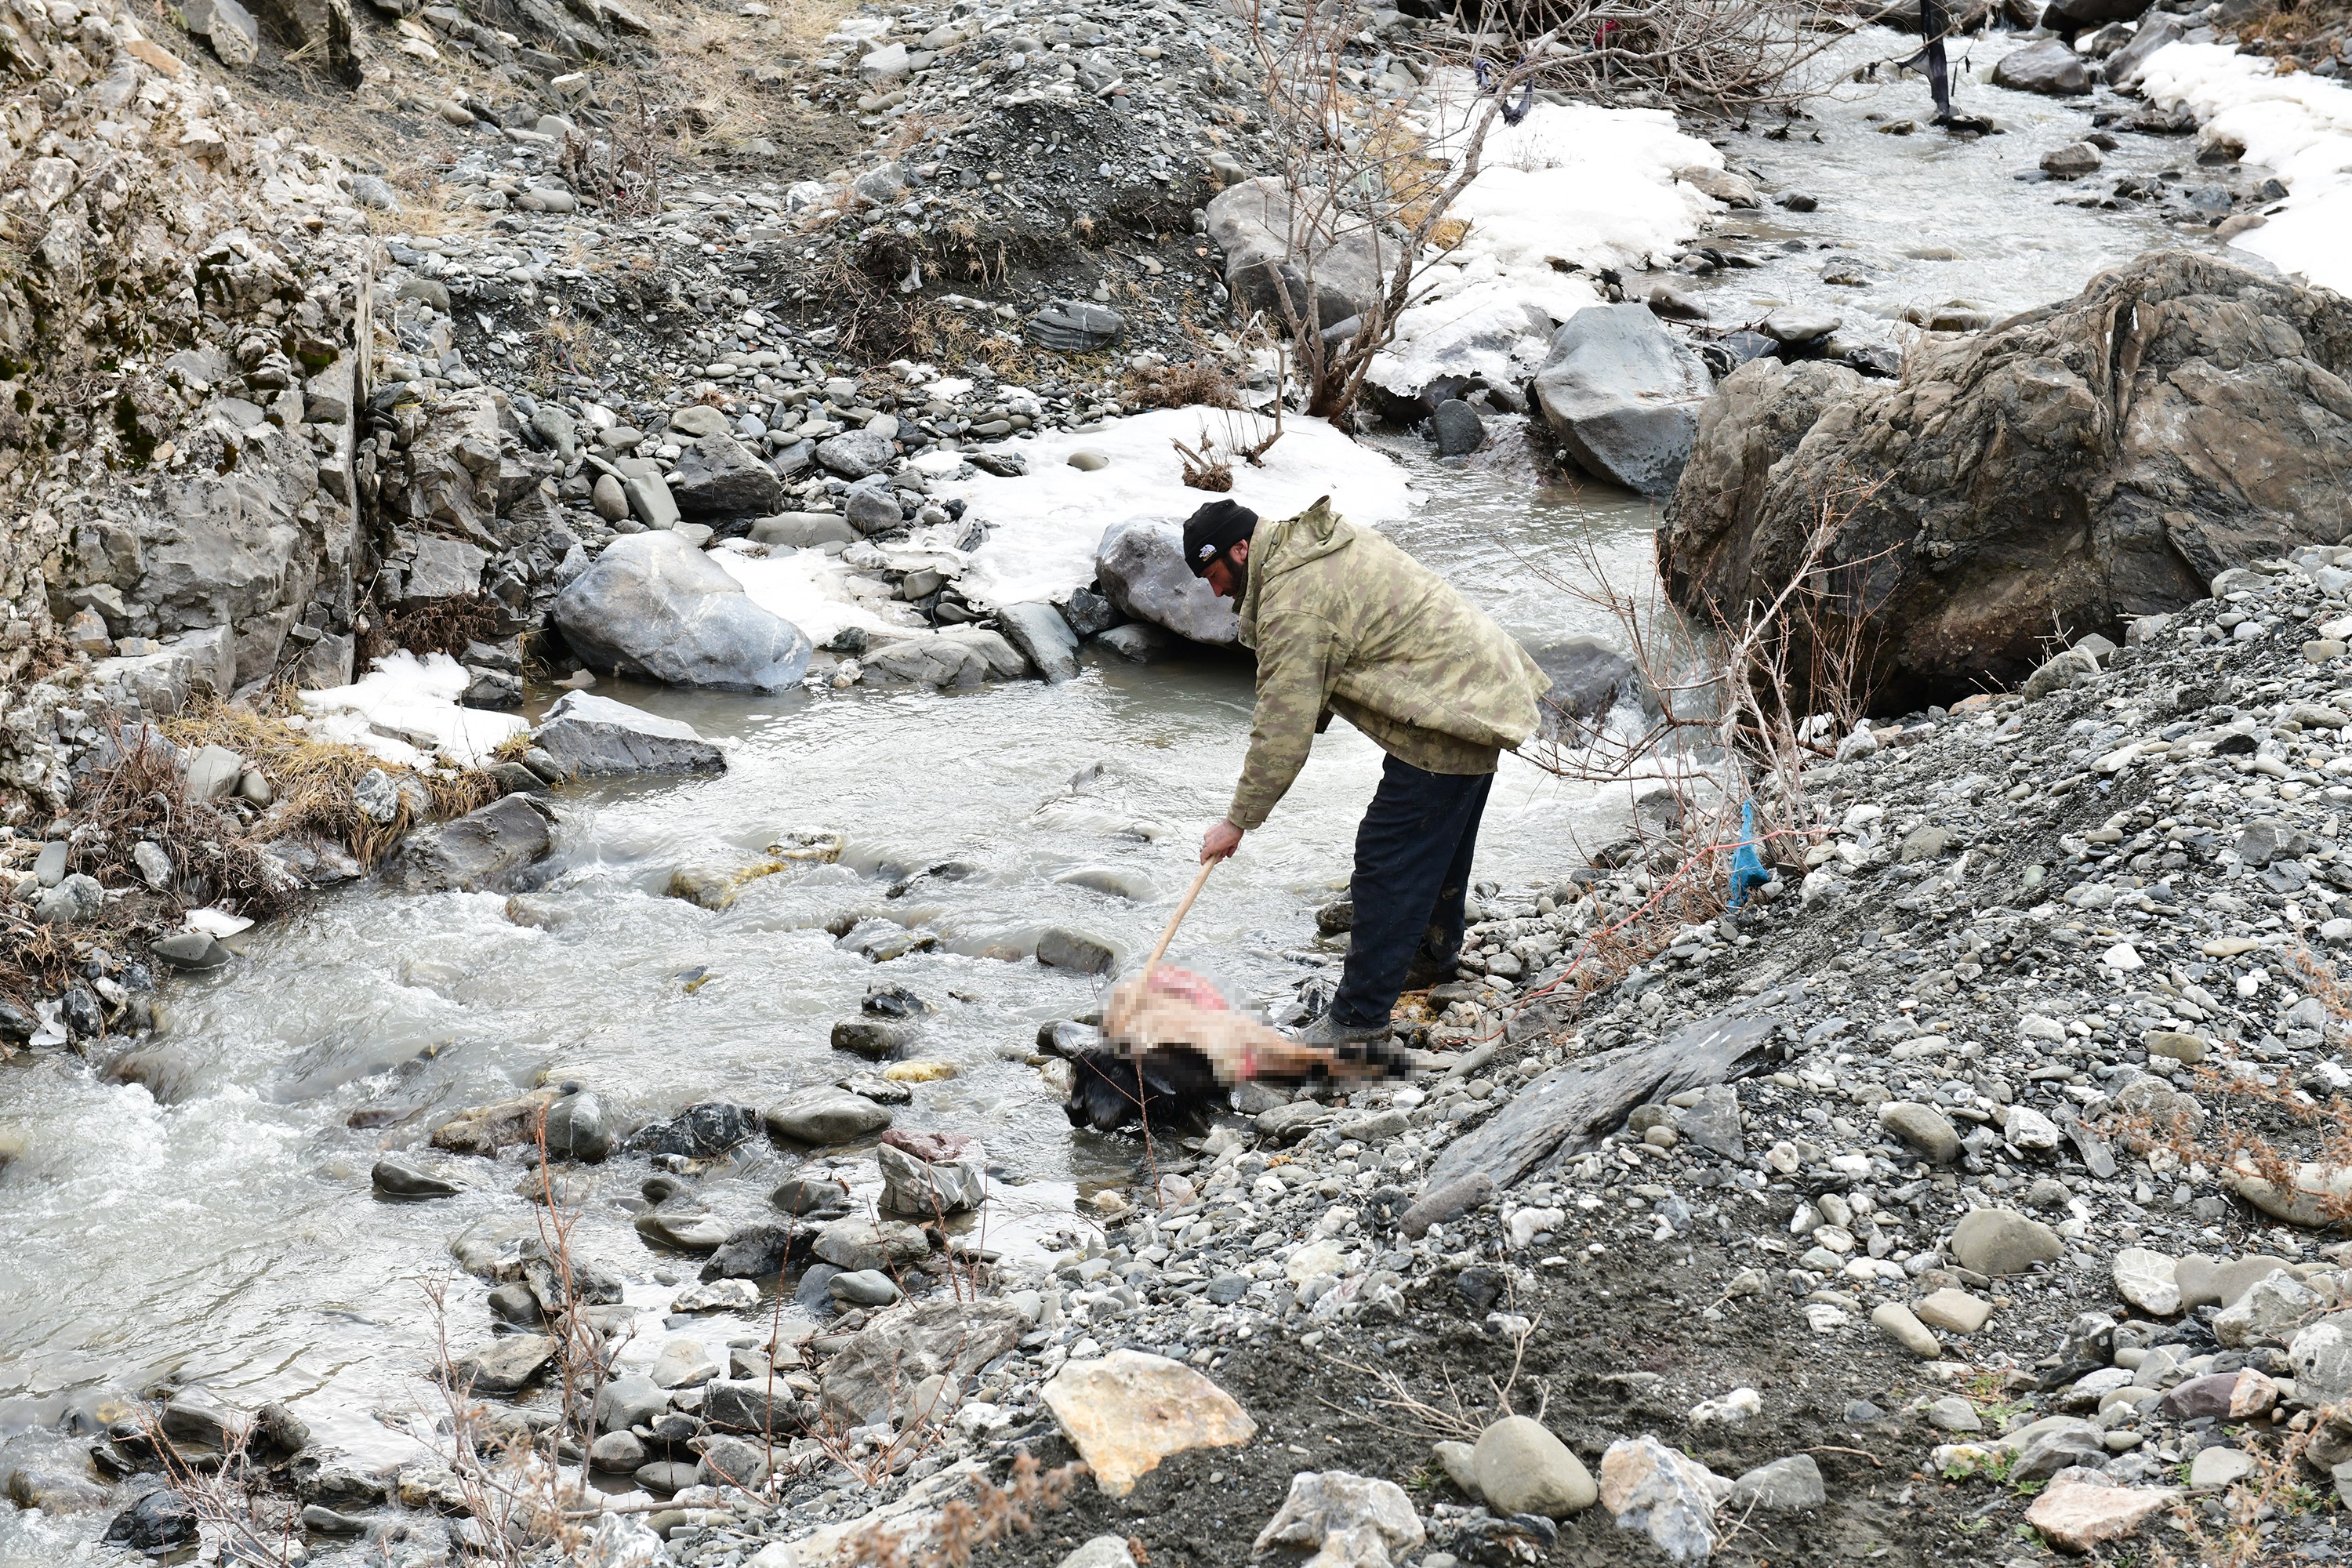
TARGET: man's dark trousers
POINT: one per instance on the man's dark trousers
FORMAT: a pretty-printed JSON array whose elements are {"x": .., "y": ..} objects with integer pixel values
[{"x": 1412, "y": 873}]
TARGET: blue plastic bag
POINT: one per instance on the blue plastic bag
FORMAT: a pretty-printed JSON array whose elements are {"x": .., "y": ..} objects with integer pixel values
[{"x": 1747, "y": 872}]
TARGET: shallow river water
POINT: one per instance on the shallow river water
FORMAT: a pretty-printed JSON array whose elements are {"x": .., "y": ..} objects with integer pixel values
[{"x": 229, "y": 1237}]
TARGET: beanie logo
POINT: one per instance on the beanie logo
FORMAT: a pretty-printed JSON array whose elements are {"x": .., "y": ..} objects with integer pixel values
[{"x": 1207, "y": 551}]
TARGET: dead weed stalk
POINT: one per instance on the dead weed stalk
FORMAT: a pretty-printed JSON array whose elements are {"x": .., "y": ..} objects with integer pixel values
[{"x": 993, "y": 1515}]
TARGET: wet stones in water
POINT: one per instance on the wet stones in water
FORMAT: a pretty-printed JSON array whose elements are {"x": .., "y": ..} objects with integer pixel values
[
  {"x": 1062, "y": 949},
  {"x": 880, "y": 1090},
  {"x": 595, "y": 737},
  {"x": 1043, "y": 637},
  {"x": 666, "y": 1476},
  {"x": 578, "y": 1125},
  {"x": 880, "y": 940},
  {"x": 686, "y": 1230},
  {"x": 1798, "y": 202},
  {"x": 654, "y": 606},
  {"x": 504, "y": 1365},
  {"x": 1138, "y": 643},
  {"x": 700, "y": 1131},
  {"x": 483, "y": 848},
  {"x": 192, "y": 950},
  {"x": 802, "y": 1195},
  {"x": 813, "y": 1294},
  {"x": 2071, "y": 161},
  {"x": 2051, "y": 68},
  {"x": 876, "y": 1039},
  {"x": 320, "y": 1519},
  {"x": 627, "y": 1402},
  {"x": 1088, "y": 614},
  {"x": 823, "y": 1114},
  {"x": 746, "y": 1406},
  {"x": 394, "y": 1178},
  {"x": 158, "y": 1522},
  {"x": 1140, "y": 565},
  {"x": 931, "y": 1172},
  {"x": 1623, "y": 396},
  {"x": 863, "y": 1287},
  {"x": 1336, "y": 918},
  {"x": 756, "y": 1251},
  {"x": 1458, "y": 429},
  {"x": 884, "y": 1000},
  {"x": 1075, "y": 326},
  {"x": 336, "y": 1483},
  {"x": 1796, "y": 329},
  {"x": 515, "y": 1304}
]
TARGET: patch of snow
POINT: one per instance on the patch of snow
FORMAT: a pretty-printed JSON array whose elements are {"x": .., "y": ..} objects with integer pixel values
[
  {"x": 2297, "y": 125},
  {"x": 1571, "y": 184},
  {"x": 1046, "y": 524},
  {"x": 406, "y": 696},
  {"x": 806, "y": 588}
]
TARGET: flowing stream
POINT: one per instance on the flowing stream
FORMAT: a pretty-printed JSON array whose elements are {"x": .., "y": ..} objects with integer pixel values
[{"x": 227, "y": 1235}]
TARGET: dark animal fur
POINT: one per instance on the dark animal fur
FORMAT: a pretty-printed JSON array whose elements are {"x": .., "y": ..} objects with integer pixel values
[{"x": 1174, "y": 1087}]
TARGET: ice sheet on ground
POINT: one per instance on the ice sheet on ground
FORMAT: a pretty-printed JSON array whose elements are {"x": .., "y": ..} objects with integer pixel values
[
  {"x": 2298, "y": 125},
  {"x": 806, "y": 588},
  {"x": 1044, "y": 524},
  {"x": 415, "y": 697},
  {"x": 1572, "y": 183}
]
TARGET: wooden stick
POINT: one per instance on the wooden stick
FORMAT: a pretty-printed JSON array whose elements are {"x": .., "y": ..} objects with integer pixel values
[{"x": 1176, "y": 919}]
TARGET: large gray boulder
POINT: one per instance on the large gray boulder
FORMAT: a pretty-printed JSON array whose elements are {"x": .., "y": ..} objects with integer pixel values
[
  {"x": 2051, "y": 68},
  {"x": 654, "y": 606},
  {"x": 2080, "y": 465},
  {"x": 595, "y": 738},
  {"x": 1270, "y": 250},
  {"x": 1141, "y": 564},
  {"x": 1623, "y": 395},
  {"x": 483, "y": 848},
  {"x": 719, "y": 476}
]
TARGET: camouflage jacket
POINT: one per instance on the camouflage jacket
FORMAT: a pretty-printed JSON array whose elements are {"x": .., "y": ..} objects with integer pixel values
[{"x": 1344, "y": 622}]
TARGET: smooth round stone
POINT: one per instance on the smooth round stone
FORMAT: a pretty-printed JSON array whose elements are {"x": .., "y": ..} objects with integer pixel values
[
  {"x": 2216, "y": 1468},
  {"x": 1521, "y": 1467},
  {"x": 397, "y": 1179},
  {"x": 1898, "y": 1323},
  {"x": 1923, "y": 1128},
  {"x": 1089, "y": 462},
  {"x": 864, "y": 1287},
  {"x": 2003, "y": 1242}
]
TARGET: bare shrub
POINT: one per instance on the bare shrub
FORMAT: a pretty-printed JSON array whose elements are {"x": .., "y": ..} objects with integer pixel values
[
  {"x": 1724, "y": 54},
  {"x": 1354, "y": 171},
  {"x": 427, "y": 627},
  {"x": 235, "y": 1513}
]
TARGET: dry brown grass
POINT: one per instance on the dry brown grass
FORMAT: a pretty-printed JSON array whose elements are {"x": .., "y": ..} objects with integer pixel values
[
  {"x": 313, "y": 779},
  {"x": 1195, "y": 382}
]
